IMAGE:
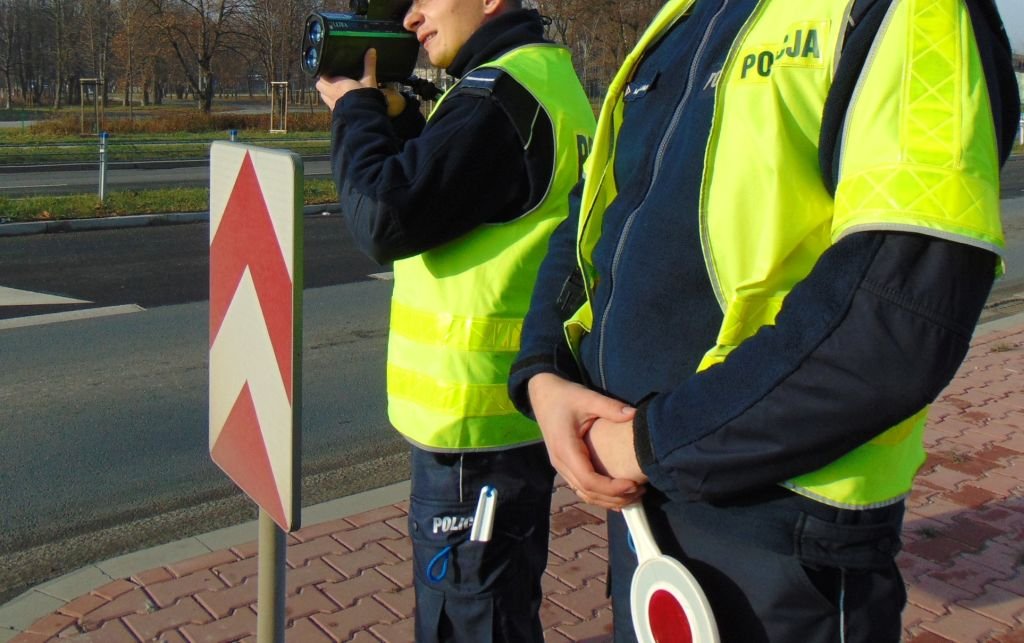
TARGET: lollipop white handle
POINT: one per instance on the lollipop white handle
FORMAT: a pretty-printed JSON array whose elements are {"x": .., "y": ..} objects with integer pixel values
[{"x": 640, "y": 529}]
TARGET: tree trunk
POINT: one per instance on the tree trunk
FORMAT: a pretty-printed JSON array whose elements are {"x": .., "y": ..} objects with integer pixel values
[{"x": 206, "y": 89}]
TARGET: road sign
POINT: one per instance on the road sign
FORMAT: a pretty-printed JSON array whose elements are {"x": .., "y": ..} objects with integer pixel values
[{"x": 255, "y": 323}]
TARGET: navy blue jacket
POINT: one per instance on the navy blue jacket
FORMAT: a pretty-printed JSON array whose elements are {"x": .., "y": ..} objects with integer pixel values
[{"x": 406, "y": 187}]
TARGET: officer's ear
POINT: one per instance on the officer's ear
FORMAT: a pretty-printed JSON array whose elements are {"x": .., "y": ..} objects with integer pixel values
[{"x": 495, "y": 7}]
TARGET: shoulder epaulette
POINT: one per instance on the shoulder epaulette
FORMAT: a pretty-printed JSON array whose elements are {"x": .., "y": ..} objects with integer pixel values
[{"x": 521, "y": 107}]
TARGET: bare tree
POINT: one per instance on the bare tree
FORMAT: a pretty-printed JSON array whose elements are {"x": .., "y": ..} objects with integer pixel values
[
  {"x": 29, "y": 51},
  {"x": 130, "y": 16},
  {"x": 59, "y": 13},
  {"x": 41, "y": 50},
  {"x": 198, "y": 31},
  {"x": 274, "y": 32},
  {"x": 599, "y": 32},
  {"x": 97, "y": 32},
  {"x": 8, "y": 39},
  {"x": 628, "y": 22},
  {"x": 46, "y": 45}
]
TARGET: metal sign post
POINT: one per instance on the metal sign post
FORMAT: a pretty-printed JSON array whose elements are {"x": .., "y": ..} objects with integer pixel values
[
  {"x": 270, "y": 599},
  {"x": 255, "y": 347}
]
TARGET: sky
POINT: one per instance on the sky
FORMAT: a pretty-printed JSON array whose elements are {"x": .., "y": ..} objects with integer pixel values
[{"x": 1012, "y": 12}]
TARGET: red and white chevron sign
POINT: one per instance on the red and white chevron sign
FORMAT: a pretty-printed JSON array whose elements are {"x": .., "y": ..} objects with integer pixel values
[{"x": 255, "y": 323}]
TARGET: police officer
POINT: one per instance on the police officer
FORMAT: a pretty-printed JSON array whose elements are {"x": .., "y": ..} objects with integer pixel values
[
  {"x": 788, "y": 228},
  {"x": 464, "y": 206}
]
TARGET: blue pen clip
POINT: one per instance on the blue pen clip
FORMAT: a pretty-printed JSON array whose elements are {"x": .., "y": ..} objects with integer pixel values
[{"x": 483, "y": 520}]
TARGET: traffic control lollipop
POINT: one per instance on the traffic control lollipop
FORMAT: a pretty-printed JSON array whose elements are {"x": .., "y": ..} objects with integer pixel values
[{"x": 667, "y": 603}]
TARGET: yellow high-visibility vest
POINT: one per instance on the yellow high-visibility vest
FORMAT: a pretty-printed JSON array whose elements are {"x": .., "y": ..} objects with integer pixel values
[
  {"x": 457, "y": 310},
  {"x": 919, "y": 155}
]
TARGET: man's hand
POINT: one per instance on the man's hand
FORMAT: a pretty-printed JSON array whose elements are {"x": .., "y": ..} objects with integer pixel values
[
  {"x": 566, "y": 412},
  {"x": 612, "y": 451},
  {"x": 332, "y": 89}
]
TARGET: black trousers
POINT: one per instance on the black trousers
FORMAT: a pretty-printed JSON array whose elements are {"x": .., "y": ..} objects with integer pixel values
[
  {"x": 778, "y": 569},
  {"x": 476, "y": 592}
]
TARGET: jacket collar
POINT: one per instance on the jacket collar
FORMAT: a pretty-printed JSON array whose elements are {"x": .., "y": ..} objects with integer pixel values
[{"x": 505, "y": 32}]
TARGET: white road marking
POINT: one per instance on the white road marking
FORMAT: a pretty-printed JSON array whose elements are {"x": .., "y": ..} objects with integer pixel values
[
  {"x": 73, "y": 315},
  {"x": 14, "y": 297}
]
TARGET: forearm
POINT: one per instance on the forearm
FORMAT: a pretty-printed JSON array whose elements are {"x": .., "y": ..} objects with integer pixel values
[
  {"x": 401, "y": 198},
  {"x": 869, "y": 338},
  {"x": 360, "y": 122}
]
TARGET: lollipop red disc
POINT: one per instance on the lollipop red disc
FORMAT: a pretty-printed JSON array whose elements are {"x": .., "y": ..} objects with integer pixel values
[{"x": 668, "y": 619}]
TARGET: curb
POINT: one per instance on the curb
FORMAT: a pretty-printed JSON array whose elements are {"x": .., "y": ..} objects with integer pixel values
[{"x": 131, "y": 221}]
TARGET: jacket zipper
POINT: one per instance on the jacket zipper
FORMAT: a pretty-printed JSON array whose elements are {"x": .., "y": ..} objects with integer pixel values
[{"x": 659, "y": 156}]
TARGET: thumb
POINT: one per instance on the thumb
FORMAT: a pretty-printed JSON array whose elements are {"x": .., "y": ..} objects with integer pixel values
[
  {"x": 370, "y": 68},
  {"x": 610, "y": 409}
]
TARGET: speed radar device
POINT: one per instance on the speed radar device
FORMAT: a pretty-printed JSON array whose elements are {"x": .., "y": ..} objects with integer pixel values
[{"x": 334, "y": 44}]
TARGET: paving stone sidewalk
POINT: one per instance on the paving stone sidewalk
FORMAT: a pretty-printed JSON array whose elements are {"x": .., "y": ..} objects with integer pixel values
[{"x": 349, "y": 579}]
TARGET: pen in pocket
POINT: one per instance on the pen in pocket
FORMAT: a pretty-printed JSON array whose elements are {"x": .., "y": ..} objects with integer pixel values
[{"x": 483, "y": 520}]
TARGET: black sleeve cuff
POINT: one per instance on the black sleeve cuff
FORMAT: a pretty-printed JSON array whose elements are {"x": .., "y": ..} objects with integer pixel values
[
  {"x": 363, "y": 95},
  {"x": 560, "y": 363},
  {"x": 519, "y": 379},
  {"x": 642, "y": 435},
  {"x": 656, "y": 474}
]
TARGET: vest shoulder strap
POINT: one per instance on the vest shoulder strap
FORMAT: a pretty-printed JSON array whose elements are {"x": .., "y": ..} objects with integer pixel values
[
  {"x": 865, "y": 21},
  {"x": 521, "y": 107}
]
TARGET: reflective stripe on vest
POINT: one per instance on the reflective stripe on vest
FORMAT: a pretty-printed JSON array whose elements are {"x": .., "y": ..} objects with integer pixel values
[
  {"x": 461, "y": 333},
  {"x": 457, "y": 310},
  {"x": 919, "y": 155}
]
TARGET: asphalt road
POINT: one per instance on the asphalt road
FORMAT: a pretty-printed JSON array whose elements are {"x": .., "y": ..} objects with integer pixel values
[
  {"x": 103, "y": 421},
  {"x": 155, "y": 266}
]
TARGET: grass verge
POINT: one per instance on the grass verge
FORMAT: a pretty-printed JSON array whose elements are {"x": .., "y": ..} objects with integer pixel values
[{"x": 129, "y": 202}]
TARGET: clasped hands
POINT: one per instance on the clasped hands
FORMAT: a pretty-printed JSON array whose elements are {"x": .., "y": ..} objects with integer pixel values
[
  {"x": 332, "y": 89},
  {"x": 589, "y": 438}
]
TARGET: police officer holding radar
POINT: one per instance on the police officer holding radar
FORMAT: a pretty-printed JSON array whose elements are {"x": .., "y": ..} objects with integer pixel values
[
  {"x": 464, "y": 204},
  {"x": 788, "y": 228}
]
